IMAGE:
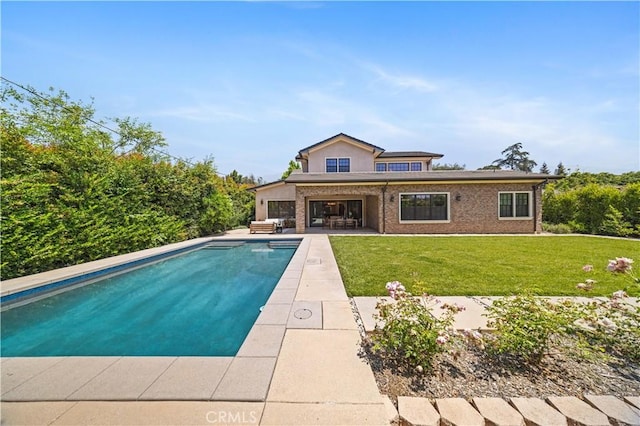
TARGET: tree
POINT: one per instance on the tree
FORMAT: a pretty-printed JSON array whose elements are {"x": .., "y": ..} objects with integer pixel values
[
  {"x": 74, "y": 192},
  {"x": 447, "y": 166},
  {"x": 490, "y": 167},
  {"x": 292, "y": 166},
  {"x": 236, "y": 177},
  {"x": 544, "y": 169},
  {"x": 560, "y": 170},
  {"x": 515, "y": 159}
]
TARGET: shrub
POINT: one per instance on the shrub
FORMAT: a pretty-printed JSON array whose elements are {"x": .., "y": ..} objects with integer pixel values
[
  {"x": 611, "y": 325},
  {"x": 597, "y": 207},
  {"x": 560, "y": 228},
  {"x": 614, "y": 224},
  {"x": 524, "y": 326},
  {"x": 411, "y": 331},
  {"x": 558, "y": 207}
]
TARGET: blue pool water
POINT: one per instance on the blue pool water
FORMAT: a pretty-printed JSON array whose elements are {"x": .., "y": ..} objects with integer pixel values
[{"x": 202, "y": 303}]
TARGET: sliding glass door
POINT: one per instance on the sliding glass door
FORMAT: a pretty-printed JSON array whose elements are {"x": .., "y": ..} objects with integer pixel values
[{"x": 319, "y": 210}]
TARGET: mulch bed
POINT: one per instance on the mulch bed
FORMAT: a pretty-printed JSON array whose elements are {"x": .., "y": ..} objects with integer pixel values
[{"x": 472, "y": 373}]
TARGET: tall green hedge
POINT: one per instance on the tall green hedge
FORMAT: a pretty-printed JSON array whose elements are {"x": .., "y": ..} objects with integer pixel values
[
  {"x": 595, "y": 208},
  {"x": 73, "y": 191}
]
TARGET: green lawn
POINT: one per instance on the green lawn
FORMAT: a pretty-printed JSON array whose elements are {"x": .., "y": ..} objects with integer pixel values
[{"x": 482, "y": 266}]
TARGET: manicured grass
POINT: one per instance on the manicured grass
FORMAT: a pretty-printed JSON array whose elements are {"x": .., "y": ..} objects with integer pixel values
[{"x": 482, "y": 266}]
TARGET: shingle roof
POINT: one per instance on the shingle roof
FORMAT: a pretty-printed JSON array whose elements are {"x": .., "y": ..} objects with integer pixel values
[
  {"x": 395, "y": 154},
  {"x": 435, "y": 176}
]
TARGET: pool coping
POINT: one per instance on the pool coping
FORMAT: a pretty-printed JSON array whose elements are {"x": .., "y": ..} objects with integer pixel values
[{"x": 245, "y": 377}]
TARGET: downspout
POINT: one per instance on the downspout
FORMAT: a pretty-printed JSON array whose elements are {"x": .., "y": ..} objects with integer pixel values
[
  {"x": 535, "y": 208},
  {"x": 535, "y": 204},
  {"x": 384, "y": 206}
]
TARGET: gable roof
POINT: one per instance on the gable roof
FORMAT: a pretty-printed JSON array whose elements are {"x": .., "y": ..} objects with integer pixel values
[
  {"x": 367, "y": 145},
  {"x": 344, "y": 135}
]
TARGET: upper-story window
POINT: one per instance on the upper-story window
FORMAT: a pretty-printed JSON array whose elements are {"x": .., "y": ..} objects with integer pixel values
[
  {"x": 399, "y": 166},
  {"x": 338, "y": 165}
]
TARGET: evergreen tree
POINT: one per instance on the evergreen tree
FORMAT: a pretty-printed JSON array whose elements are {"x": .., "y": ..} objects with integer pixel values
[
  {"x": 515, "y": 159},
  {"x": 544, "y": 169},
  {"x": 560, "y": 170},
  {"x": 489, "y": 167}
]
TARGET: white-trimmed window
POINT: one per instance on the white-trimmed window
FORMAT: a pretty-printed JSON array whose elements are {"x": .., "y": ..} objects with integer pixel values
[
  {"x": 337, "y": 165},
  {"x": 514, "y": 205},
  {"x": 424, "y": 207},
  {"x": 399, "y": 166},
  {"x": 416, "y": 166}
]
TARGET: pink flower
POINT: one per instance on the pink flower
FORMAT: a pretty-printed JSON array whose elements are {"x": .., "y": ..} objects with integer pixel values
[
  {"x": 455, "y": 308},
  {"x": 619, "y": 294},
  {"x": 395, "y": 288},
  {"x": 472, "y": 334},
  {"x": 587, "y": 268},
  {"x": 620, "y": 264},
  {"x": 441, "y": 340},
  {"x": 584, "y": 286}
]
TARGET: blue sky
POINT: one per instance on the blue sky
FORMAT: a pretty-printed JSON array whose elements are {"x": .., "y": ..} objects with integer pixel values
[{"x": 251, "y": 83}]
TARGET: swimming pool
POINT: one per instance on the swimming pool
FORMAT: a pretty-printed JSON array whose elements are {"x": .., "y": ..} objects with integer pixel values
[{"x": 201, "y": 303}]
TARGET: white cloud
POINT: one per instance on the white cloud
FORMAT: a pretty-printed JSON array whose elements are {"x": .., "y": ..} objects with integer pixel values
[
  {"x": 549, "y": 129},
  {"x": 402, "y": 81},
  {"x": 360, "y": 116}
]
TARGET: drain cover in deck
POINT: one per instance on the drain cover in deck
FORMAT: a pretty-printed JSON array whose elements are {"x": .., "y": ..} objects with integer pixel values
[{"x": 302, "y": 314}]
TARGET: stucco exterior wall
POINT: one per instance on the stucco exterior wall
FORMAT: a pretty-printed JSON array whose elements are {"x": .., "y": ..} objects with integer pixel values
[
  {"x": 283, "y": 192},
  {"x": 475, "y": 212},
  {"x": 361, "y": 160}
]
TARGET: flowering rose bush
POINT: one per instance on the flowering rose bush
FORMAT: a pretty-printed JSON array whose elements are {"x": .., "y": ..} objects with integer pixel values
[
  {"x": 394, "y": 288},
  {"x": 613, "y": 324},
  {"x": 620, "y": 265},
  {"x": 410, "y": 330},
  {"x": 525, "y": 326}
]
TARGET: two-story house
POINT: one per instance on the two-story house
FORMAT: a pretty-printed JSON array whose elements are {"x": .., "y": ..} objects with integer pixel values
[{"x": 398, "y": 192}]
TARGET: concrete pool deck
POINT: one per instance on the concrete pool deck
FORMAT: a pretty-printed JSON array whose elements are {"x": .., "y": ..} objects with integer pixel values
[{"x": 298, "y": 365}]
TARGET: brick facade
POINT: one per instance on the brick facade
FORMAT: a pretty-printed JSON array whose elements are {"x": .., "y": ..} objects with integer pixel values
[{"x": 473, "y": 207}]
